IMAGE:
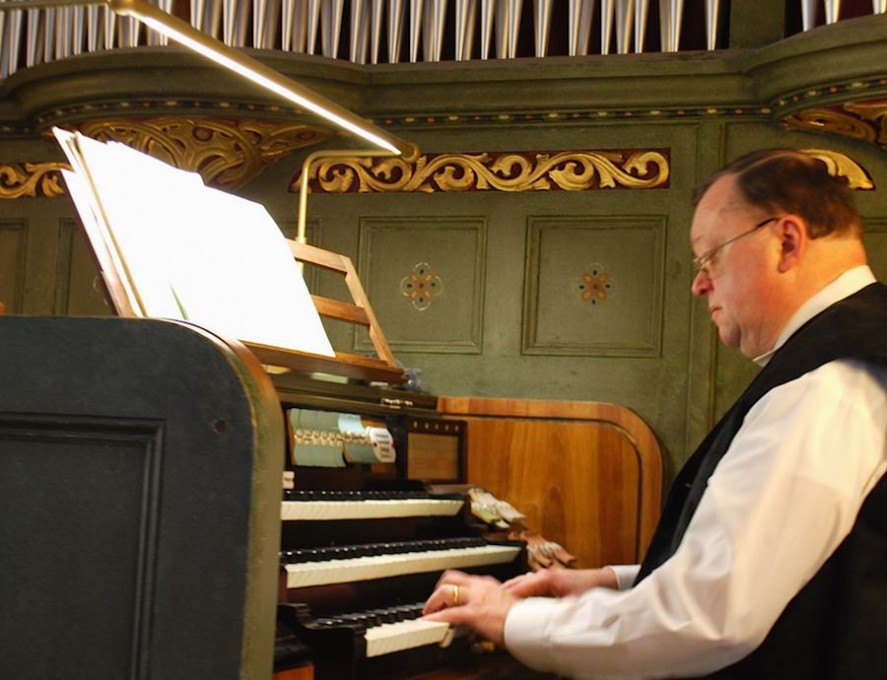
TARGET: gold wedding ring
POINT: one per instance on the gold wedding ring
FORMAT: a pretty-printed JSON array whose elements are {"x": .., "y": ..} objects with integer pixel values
[{"x": 455, "y": 595}]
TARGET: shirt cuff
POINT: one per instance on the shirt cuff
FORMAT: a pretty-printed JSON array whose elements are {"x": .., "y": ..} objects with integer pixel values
[
  {"x": 626, "y": 574},
  {"x": 526, "y": 632}
]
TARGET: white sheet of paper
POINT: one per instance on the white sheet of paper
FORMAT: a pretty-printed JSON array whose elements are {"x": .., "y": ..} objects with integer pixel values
[{"x": 190, "y": 251}]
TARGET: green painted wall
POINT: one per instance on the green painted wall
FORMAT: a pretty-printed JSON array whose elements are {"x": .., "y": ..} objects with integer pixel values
[{"x": 508, "y": 317}]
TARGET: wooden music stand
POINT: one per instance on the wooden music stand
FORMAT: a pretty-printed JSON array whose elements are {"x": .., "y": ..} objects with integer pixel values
[
  {"x": 248, "y": 244},
  {"x": 359, "y": 312}
]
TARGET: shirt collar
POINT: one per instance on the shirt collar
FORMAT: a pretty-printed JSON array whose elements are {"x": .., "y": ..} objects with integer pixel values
[{"x": 848, "y": 283}]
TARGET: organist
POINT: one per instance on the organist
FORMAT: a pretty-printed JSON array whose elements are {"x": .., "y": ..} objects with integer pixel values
[{"x": 768, "y": 559}]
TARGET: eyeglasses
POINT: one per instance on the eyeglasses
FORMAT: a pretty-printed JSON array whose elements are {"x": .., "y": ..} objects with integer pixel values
[{"x": 701, "y": 263}]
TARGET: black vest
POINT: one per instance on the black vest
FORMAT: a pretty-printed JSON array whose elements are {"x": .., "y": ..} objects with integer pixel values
[{"x": 836, "y": 627}]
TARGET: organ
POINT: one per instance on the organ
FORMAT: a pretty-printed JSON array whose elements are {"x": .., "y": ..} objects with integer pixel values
[
  {"x": 363, "y": 545},
  {"x": 141, "y": 460}
]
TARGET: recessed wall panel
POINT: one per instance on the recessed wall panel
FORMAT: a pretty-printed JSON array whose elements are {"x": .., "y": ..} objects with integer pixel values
[
  {"x": 424, "y": 277},
  {"x": 594, "y": 286},
  {"x": 13, "y": 242}
]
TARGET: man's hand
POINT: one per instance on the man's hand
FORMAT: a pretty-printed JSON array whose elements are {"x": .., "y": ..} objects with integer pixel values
[
  {"x": 479, "y": 602},
  {"x": 558, "y": 582}
]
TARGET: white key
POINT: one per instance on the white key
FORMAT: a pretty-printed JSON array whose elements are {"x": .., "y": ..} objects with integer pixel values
[{"x": 395, "y": 637}]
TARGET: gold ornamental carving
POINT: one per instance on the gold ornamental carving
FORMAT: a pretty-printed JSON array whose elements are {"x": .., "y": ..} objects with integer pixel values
[
  {"x": 840, "y": 165},
  {"x": 864, "y": 121},
  {"x": 873, "y": 113},
  {"x": 511, "y": 171},
  {"x": 226, "y": 153},
  {"x": 832, "y": 120},
  {"x": 31, "y": 180}
]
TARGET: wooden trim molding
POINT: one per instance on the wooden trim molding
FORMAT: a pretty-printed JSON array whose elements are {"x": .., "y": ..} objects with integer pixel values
[{"x": 511, "y": 171}]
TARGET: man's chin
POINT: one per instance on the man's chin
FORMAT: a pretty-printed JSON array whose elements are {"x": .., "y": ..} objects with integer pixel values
[{"x": 728, "y": 338}]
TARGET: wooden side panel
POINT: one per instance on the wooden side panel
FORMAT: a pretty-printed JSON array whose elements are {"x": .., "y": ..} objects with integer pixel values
[
  {"x": 140, "y": 467},
  {"x": 587, "y": 475}
]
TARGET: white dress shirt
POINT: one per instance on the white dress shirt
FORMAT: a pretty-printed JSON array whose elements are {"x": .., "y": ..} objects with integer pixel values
[{"x": 781, "y": 500}]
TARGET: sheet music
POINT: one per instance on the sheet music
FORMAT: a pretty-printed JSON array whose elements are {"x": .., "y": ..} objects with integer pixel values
[{"x": 187, "y": 251}]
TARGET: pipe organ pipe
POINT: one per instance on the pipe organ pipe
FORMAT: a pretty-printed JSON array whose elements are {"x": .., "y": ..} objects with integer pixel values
[
  {"x": 416, "y": 8},
  {"x": 110, "y": 27},
  {"x": 10, "y": 32},
  {"x": 33, "y": 38},
  {"x": 294, "y": 31},
  {"x": 671, "y": 13},
  {"x": 507, "y": 27},
  {"x": 580, "y": 17},
  {"x": 48, "y": 34},
  {"x": 606, "y": 25},
  {"x": 78, "y": 30},
  {"x": 642, "y": 8},
  {"x": 832, "y": 11},
  {"x": 153, "y": 37},
  {"x": 624, "y": 17},
  {"x": 395, "y": 30},
  {"x": 357, "y": 46},
  {"x": 331, "y": 26},
  {"x": 235, "y": 18},
  {"x": 60, "y": 37},
  {"x": 128, "y": 30},
  {"x": 376, "y": 20},
  {"x": 266, "y": 18},
  {"x": 466, "y": 12},
  {"x": 198, "y": 10},
  {"x": 712, "y": 12},
  {"x": 808, "y": 14},
  {"x": 313, "y": 23},
  {"x": 5, "y": 45},
  {"x": 487, "y": 10},
  {"x": 541, "y": 26},
  {"x": 433, "y": 28}
]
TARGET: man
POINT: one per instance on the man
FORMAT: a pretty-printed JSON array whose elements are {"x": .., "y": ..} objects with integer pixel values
[{"x": 770, "y": 559}]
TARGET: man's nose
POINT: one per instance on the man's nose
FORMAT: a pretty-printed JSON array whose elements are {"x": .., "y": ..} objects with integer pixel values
[{"x": 701, "y": 283}]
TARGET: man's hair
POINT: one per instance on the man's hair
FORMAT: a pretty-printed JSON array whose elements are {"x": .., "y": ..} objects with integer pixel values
[{"x": 790, "y": 181}]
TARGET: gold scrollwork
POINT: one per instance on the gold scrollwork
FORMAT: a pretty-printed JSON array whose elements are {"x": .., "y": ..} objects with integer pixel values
[
  {"x": 512, "y": 171},
  {"x": 840, "y": 165},
  {"x": 833, "y": 121},
  {"x": 227, "y": 153},
  {"x": 874, "y": 112},
  {"x": 31, "y": 180}
]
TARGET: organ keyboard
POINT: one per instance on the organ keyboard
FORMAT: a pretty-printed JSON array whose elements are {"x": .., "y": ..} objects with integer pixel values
[
  {"x": 361, "y": 562},
  {"x": 331, "y": 505},
  {"x": 361, "y": 549}
]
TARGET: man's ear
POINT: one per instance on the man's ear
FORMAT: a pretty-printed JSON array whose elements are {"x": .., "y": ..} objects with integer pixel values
[{"x": 792, "y": 232}]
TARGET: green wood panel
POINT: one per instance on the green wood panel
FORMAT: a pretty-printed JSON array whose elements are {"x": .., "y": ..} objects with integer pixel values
[
  {"x": 594, "y": 286},
  {"x": 13, "y": 244},
  {"x": 425, "y": 279}
]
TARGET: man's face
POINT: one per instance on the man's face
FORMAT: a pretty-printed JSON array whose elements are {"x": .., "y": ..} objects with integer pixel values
[{"x": 729, "y": 240}]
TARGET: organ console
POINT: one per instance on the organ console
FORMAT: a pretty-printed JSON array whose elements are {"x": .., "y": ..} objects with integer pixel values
[
  {"x": 363, "y": 545},
  {"x": 140, "y": 464}
]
